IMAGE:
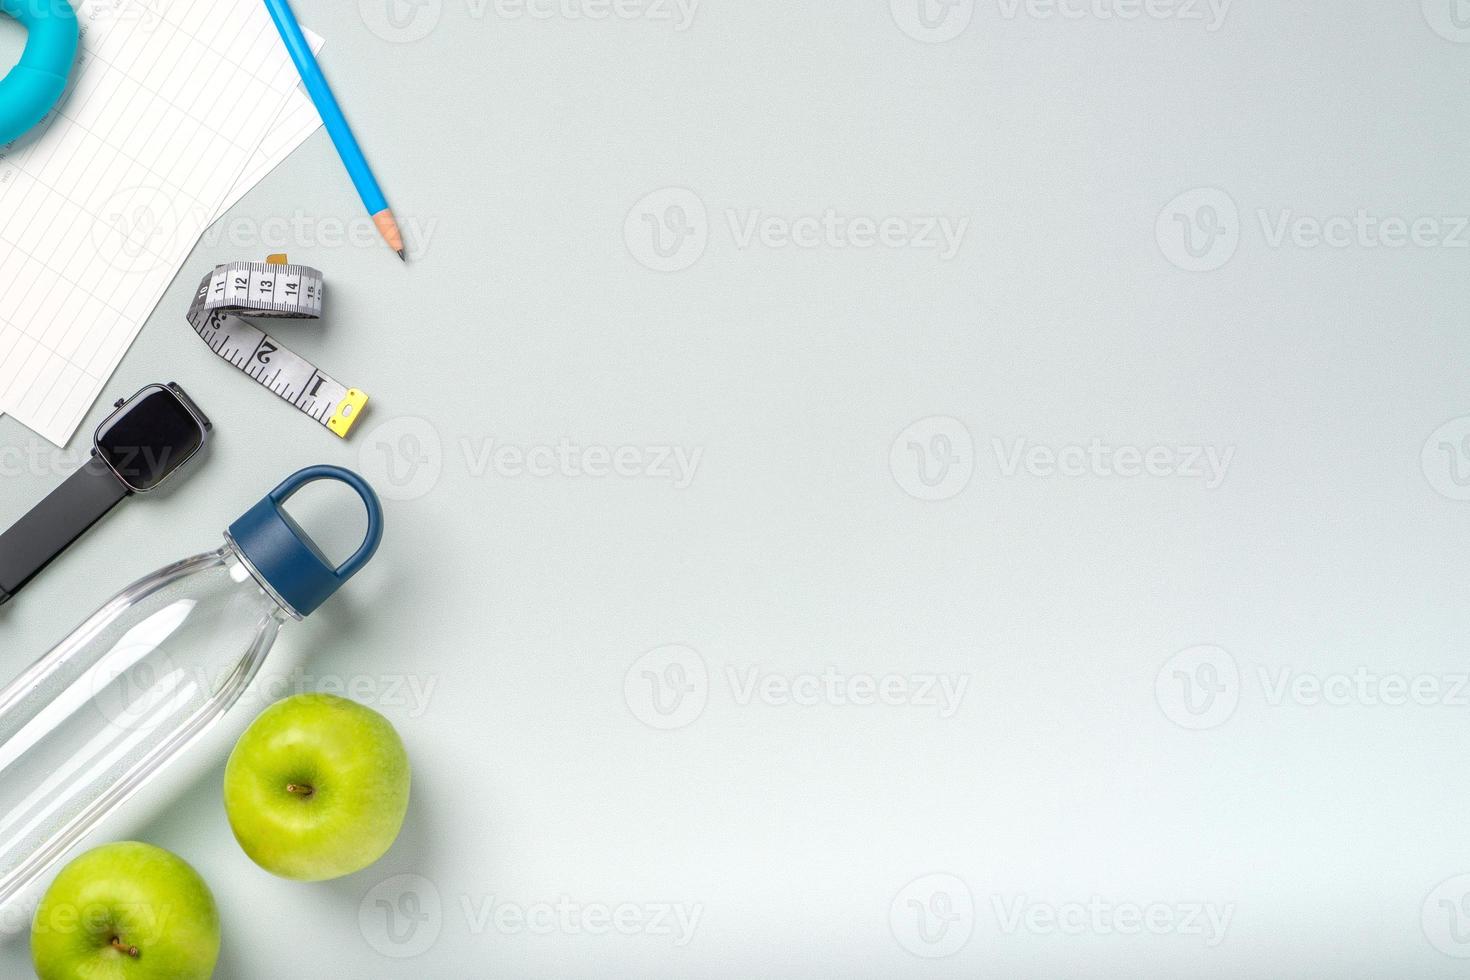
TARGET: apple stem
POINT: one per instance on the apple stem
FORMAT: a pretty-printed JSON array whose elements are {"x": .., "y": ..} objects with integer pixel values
[
  {"x": 301, "y": 789},
  {"x": 118, "y": 945}
]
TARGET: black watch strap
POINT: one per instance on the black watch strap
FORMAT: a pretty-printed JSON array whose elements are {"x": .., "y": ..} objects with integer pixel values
[{"x": 51, "y": 527}]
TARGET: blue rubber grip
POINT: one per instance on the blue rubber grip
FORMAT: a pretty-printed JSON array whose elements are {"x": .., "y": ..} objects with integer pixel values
[{"x": 34, "y": 85}]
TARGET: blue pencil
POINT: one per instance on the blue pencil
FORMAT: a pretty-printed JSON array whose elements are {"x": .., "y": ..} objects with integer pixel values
[{"x": 337, "y": 128}]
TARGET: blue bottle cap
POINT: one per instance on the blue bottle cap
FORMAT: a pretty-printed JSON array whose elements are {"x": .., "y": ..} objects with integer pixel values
[{"x": 284, "y": 557}]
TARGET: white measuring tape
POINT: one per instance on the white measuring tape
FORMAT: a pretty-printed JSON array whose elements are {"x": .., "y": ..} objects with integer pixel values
[{"x": 272, "y": 289}]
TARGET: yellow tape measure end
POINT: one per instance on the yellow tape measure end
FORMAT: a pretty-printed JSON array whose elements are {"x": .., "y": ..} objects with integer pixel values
[{"x": 348, "y": 412}]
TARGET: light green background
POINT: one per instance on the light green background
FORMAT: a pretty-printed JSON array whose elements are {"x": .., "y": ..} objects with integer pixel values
[{"x": 516, "y": 146}]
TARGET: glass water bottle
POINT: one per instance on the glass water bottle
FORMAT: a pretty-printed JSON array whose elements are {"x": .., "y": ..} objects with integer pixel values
[{"x": 90, "y": 722}]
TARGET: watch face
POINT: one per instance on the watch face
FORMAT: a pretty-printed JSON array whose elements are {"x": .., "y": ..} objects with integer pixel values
[{"x": 150, "y": 437}]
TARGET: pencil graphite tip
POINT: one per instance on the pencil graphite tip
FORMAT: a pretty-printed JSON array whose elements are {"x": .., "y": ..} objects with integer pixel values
[{"x": 402, "y": 255}]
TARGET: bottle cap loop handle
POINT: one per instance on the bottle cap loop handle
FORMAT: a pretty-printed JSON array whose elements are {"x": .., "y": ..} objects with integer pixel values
[
  {"x": 284, "y": 557},
  {"x": 370, "y": 503}
]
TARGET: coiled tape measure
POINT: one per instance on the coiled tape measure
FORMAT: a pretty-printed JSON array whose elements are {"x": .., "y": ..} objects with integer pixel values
[{"x": 273, "y": 289}]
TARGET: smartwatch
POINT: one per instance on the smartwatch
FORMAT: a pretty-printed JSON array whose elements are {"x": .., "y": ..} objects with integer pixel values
[{"x": 147, "y": 439}]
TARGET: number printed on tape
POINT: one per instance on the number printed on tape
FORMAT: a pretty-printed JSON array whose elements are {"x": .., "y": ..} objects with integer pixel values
[{"x": 278, "y": 291}]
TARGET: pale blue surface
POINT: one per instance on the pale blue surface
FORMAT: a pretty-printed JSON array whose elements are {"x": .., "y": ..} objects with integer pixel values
[{"x": 515, "y": 149}]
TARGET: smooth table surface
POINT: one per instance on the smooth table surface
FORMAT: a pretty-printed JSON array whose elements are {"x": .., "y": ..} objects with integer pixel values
[{"x": 1091, "y": 795}]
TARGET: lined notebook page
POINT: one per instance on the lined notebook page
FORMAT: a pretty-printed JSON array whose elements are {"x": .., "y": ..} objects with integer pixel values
[
  {"x": 99, "y": 208},
  {"x": 297, "y": 121}
]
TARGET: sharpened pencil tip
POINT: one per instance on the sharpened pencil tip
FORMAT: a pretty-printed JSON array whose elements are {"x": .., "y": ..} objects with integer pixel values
[{"x": 402, "y": 256}]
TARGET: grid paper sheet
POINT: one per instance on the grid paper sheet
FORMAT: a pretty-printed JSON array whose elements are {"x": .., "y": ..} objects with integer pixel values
[
  {"x": 99, "y": 209},
  {"x": 298, "y": 120}
]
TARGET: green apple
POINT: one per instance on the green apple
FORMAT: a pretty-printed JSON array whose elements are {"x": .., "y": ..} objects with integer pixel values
[
  {"x": 129, "y": 911},
  {"x": 317, "y": 787}
]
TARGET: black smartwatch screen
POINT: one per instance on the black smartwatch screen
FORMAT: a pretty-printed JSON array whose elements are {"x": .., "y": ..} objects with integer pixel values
[{"x": 151, "y": 436}]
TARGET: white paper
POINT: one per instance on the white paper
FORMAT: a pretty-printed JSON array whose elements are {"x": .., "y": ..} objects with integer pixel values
[
  {"x": 101, "y": 206},
  {"x": 298, "y": 120}
]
